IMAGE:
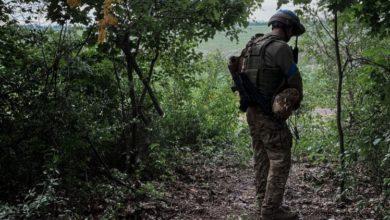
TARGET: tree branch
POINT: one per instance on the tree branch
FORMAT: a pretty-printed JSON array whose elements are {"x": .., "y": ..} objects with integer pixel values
[
  {"x": 146, "y": 85},
  {"x": 101, "y": 161},
  {"x": 151, "y": 68},
  {"x": 365, "y": 60}
]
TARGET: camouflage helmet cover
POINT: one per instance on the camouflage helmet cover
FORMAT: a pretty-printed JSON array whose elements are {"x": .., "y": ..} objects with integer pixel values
[{"x": 288, "y": 18}]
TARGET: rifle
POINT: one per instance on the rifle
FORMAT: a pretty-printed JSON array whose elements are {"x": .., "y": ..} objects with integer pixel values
[{"x": 249, "y": 94}]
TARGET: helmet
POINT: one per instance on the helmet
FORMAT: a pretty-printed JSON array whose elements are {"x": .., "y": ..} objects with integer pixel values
[
  {"x": 288, "y": 18},
  {"x": 284, "y": 103}
]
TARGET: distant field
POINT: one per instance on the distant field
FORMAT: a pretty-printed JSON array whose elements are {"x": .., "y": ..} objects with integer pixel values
[{"x": 227, "y": 47}]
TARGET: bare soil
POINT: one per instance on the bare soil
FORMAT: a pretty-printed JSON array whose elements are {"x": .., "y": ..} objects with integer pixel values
[{"x": 222, "y": 190}]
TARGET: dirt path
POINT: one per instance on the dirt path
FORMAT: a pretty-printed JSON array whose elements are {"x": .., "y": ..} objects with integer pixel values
[{"x": 205, "y": 191}]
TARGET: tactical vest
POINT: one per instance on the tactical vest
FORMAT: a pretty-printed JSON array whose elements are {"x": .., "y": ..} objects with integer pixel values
[{"x": 268, "y": 80}]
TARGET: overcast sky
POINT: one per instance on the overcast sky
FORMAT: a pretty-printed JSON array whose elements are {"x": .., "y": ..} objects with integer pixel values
[{"x": 268, "y": 8}]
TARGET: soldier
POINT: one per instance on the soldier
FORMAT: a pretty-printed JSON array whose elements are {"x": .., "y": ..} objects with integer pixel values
[{"x": 269, "y": 64}]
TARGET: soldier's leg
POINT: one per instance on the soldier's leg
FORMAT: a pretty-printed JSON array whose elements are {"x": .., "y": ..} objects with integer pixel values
[
  {"x": 278, "y": 145},
  {"x": 261, "y": 162},
  {"x": 261, "y": 166}
]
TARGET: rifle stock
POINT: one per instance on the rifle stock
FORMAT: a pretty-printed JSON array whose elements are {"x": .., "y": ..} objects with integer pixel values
[{"x": 249, "y": 94}]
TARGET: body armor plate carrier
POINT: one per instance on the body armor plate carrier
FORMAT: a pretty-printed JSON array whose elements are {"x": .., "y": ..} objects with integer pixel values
[{"x": 268, "y": 80}]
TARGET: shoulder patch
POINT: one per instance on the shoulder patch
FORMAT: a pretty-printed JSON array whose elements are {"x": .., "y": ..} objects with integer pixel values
[{"x": 292, "y": 70}]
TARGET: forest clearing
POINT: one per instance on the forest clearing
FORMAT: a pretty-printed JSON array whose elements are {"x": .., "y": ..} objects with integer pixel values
[{"x": 119, "y": 109}]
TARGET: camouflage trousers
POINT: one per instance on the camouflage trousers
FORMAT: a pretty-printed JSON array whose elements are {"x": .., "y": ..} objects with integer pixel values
[{"x": 271, "y": 142}]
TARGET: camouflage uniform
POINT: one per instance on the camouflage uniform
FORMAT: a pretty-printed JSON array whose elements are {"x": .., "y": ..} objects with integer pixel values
[
  {"x": 271, "y": 142},
  {"x": 271, "y": 139}
]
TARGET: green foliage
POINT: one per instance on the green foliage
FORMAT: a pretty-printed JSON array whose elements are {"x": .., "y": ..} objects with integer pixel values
[
  {"x": 364, "y": 96},
  {"x": 38, "y": 204},
  {"x": 201, "y": 110},
  {"x": 373, "y": 13},
  {"x": 45, "y": 126},
  {"x": 65, "y": 113},
  {"x": 149, "y": 190},
  {"x": 69, "y": 106}
]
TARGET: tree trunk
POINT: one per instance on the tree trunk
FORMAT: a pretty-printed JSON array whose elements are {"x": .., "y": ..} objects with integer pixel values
[
  {"x": 339, "y": 96},
  {"x": 130, "y": 141},
  {"x": 131, "y": 154},
  {"x": 136, "y": 135},
  {"x": 118, "y": 83}
]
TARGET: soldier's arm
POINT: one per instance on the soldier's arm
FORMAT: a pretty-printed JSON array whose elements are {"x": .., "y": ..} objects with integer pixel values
[{"x": 285, "y": 61}]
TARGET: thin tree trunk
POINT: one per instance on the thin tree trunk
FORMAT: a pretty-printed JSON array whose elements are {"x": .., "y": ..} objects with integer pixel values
[
  {"x": 118, "y": 82},
  {"x": 134, "y": 113},
  {"x": 339, "y": 95},
  {"x": 138, "y": 135},
  {"x": 131, "y": 147}
]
